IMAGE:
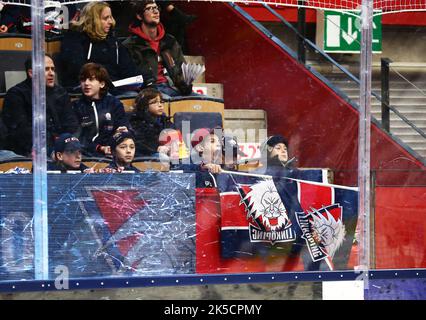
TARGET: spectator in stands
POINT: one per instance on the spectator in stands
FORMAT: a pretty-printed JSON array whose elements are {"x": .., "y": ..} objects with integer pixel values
[
  {"x": 206, "y": 156},
  {"x": 277, "y": 156},
  {"x": 149, "y": 121},
  {"x": 155, "y": 52},
  {"x": 176, "y": 21},
  {"x": 67, "y": 155},
  {"x": 99, "y": 114},
  {"x": 91, "y": 39},
  {"x": 123, "y": 151},
  {"x": 18, "y": 111}
]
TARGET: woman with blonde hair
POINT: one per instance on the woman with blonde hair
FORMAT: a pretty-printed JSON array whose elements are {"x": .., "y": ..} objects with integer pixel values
[{"x": 91, "y": 39}]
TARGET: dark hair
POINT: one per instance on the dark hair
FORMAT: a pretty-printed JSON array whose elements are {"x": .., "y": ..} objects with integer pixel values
[
  {"x": 119, "y": 138},
  {"x": 29, "y": 62},
  {"x": 139, "y": 6},
  {"x": 94, "y": 70},
  {"x": 274, "y": 140},
  {"x": 143, "y": 98}
]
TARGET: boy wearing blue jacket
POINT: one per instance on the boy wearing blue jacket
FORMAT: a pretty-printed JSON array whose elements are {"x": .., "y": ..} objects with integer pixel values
[{"x": 100, "y": 114}]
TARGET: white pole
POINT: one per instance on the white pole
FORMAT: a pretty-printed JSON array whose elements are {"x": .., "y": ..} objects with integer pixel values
[
  {"x": 41, "y": 265},
  {"x": 364, "y": 137}
]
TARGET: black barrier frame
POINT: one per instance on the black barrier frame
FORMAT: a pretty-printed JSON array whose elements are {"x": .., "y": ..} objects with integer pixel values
[{"x": 206, "y": 279}]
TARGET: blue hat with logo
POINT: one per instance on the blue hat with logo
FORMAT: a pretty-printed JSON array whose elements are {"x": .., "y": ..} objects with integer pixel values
[{"x": 67, "y": 142}]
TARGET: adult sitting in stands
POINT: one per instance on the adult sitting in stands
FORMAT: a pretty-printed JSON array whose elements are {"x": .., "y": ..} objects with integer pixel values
[
  {"x": 176, "y": 22},
  {"x": 67, "y": 155},
  {"x": 123, "y": 151},
  {"x": 149, "y": 121},
  {"x": 99, "y": 114},
  {"x": 18, "y": 111},
  {"x": 91, "y": 39},
  {"x": 155, "y": 52}
]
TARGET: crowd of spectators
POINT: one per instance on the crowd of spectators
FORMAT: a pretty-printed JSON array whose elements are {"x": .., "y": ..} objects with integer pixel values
[{"x": 91, "y": 59}]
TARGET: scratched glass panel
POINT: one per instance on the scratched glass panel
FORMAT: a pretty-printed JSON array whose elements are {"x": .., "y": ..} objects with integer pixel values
[{"x": 101, "y": 225}]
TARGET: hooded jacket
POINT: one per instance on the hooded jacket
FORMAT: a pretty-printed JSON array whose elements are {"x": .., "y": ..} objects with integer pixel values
[
  {"x": 17, "y": 116},
  {"x": 146, "y": 58},
  {"x": 98, "y": 121},
  {"x": 78, "y": 49}
]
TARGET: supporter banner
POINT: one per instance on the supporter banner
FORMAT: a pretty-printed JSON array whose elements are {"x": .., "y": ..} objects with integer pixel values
[
  {"x": 101, "y": 225},
  {"x": 263, "y": 217}
]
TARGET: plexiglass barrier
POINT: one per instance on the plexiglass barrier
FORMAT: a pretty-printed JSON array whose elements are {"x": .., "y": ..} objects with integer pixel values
[{"x": 180, "y": 221}]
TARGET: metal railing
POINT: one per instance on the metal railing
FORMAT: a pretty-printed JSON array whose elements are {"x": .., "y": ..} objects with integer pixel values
[{"x": 303, "y": 43}]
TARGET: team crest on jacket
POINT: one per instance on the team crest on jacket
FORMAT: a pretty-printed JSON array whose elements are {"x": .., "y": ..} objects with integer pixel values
[{"x": 266, "y": 213}]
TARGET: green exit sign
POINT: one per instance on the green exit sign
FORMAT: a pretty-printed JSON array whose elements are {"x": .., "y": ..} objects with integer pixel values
[{"x": 342, "y": 32}]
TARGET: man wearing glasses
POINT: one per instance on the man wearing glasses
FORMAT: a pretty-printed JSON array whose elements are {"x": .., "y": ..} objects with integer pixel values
[{"x": 156, "y": 52}]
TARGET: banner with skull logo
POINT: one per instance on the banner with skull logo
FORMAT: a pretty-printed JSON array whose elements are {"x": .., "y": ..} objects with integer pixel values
[{"x": 261, "y": 216}]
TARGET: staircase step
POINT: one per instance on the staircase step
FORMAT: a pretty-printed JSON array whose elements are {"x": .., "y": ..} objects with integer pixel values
[{"x": 408, "y": 98}]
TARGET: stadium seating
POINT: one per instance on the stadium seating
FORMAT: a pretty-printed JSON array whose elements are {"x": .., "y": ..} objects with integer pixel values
[
  {"x": 14, "y": 50},
  {"x": 15, "y": 42},
  {"x": 25, "y": 163},
  {"x": 151, "y": 166},
  {"x": 196, "y": 104},
  {"x": 96, "y": 163},
  {"x": 198, "y": 120}
]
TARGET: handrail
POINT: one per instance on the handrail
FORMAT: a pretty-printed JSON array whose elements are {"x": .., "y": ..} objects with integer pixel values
[
  {"x": 313, "y": 45},
  {"x": 344, "y": 70}
]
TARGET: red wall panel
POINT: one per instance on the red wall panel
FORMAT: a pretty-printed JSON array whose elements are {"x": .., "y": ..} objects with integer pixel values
[
  {"x": 257, "y": 74},
  {"x": 400, "y": 227}
]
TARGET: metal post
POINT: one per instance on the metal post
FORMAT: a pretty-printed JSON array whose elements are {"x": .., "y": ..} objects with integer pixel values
[
  {"x": 385, "y": 93},
  {"x": 364, "y": 136},
  {"x": 301, "y": 27},
  {"x": 41, "y": 266}
]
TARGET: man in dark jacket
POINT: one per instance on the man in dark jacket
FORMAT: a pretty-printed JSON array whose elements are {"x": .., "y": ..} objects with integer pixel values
[
  {"x": 18, "y": 111},
  {"x": 155, "y": 52}
]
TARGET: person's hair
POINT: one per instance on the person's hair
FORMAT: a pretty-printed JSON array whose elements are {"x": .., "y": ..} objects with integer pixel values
[
  {"x": 139, "y": 6},
  {"x": 90, "y": 20},
  {"x": 143, "y": 98},
  {"x": 29, "y": 62},
  {"x": 94, "y": 70}
]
